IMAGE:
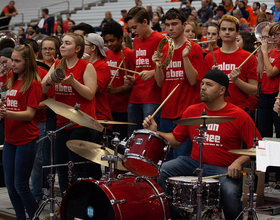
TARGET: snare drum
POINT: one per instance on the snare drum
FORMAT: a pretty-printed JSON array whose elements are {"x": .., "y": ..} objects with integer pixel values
[
  {"x": 121, "y": 199},
  {"x": 146, "y": 152},
  {"x": 182, "y": 192}
]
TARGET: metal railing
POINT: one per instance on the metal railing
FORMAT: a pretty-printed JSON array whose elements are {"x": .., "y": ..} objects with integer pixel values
[
  {"x": 11, "y": 25},
  {"x": 58, "y": 3},
  {"x": 96, "y": 2}
]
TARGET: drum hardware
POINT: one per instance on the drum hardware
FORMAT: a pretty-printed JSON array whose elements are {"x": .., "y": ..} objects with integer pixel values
[
  {"x": 115, "y": 202},
  {"x": 51, "y": 135},
  {"x": 251, "y": 183},
  {"x": 159, "y": 195}
]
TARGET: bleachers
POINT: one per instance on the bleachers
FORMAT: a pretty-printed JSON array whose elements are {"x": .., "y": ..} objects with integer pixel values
[{"x": 94, "y": 14}]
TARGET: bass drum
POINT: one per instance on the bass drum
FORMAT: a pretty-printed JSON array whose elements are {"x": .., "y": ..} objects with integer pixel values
[{"x": 122, "y": 199}]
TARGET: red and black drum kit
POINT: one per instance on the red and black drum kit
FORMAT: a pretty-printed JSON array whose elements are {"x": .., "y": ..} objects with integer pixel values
[{"x": 134, "y": 194}]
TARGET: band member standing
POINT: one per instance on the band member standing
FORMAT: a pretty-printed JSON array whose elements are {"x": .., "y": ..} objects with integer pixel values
[
  {"x": 183, "y": 68},
  {"x": 146, "y": 94},
  {"x": 118, "y": 93},
  {"x": 270, "y": 83},
  {"x": 243, "y": 82},
  {"x": 21, "y": 130},
  {"x": 219, "y": 139},
  {"x": 79, "y": 86}
]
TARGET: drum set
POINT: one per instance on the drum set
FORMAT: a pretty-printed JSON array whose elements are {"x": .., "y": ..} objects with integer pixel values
[{"x": 129, "y": 190}]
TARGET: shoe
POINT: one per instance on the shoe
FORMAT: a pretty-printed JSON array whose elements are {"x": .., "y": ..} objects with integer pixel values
[{"x": 56, "y": 214}]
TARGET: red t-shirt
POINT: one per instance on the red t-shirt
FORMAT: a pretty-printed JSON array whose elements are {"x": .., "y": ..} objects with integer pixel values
[
  {"x": 227, "y": 62},
  {"x": 220, "y": 137},
  {"x": 103, "y": 111},
  {"x": 40, "y": 115},
  {"x": 186, "y": 94},
  {"x": 271, "y": 84},
  {"x": 3, "y": 80},
  {"x": 66, "y": 94},
  {"x": 19, "y": 132},
  {"x": 119, "y": 102},
  {"x": 145, "y": 92},
  {"x": 206, "y": 50}
]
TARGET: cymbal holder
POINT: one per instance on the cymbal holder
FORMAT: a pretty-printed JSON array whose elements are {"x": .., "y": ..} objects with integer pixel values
[
  {"x": 200, "y": 138},
  {"x": 51, "y": 135}
]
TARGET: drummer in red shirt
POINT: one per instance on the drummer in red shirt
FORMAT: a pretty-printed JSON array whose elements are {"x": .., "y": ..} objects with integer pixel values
[
  {"x": 118, "y": 93},
  {"x": 146, "y": 94},
  {"x": 243, "y": 82},
  {"x": 220, "y": 137}
]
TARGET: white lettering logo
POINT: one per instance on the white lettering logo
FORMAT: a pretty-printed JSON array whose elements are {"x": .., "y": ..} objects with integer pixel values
[
  {"x": 226, "y": 67},
  {"x": 140, "y": 52},
  {"x": 211, "y": 138}
]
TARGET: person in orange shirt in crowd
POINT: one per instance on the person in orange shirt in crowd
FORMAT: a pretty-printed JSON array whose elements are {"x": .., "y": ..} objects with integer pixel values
[
  {"x": 124, "y": 13},
  {"x": 228, "y": 6},
  {"x": 68, "y": 16},
  {"x": 248, "y": 8},
  {"x": 8, "y": 11},
  {"x": 164, "y": 32},
  {"x": 263, "y": 7},
  {"x": 253, "y": 17},
  {"x": 243, "y": 22},
  {"x": 30, "y": 32}
]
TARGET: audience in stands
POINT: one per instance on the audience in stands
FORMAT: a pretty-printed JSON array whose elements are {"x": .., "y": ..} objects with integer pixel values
[
  {"x": 30, "y": 31},
  {"x": 9, "y": 11},
  {"x": 205, "y": 13},
  {"x": 48, "y": 25},
  {"x": 71, "y": 24},
  {"x": 253, "y": 18},
  {"x": 263, "y": 7},
  {"x": 108, "y": 17},
  {"x": 276, "y": 12}
]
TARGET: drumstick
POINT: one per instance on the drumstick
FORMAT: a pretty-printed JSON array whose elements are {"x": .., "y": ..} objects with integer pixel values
[
  {"x": 215, "y": 176},
  {"x": 204, "y": 42},
  {"x": 53, "y": 58},
  {"x": 124, "y": 65},
  {"x": 211, "y": 48},
  {"x": 131, "y": 71},
  {"x": 115, "y": 74},
  {"x": 249, "y": 57},
  {"x": 156, "y": 111}
]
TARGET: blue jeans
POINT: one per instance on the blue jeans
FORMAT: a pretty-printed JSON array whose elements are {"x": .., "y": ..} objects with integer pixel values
[
  {"x": 267, "y": 117},
  {"x": 18, "y": 162},
  {"x": 231, "y": 189},
  {"x": 167, "y": 126},
  {"x": 62, "y": 155},
  {"x": 37, "y": 171},
  {"x": 138, "y": 112},
  {"x": 50, "y": 126}
]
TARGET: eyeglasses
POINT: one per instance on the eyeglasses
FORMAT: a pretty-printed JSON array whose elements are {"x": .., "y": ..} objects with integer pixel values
[
  {"x": 275, "y": 35},
  {"x": 48, "y": 49},
  {"x": 265, "y": 37}
]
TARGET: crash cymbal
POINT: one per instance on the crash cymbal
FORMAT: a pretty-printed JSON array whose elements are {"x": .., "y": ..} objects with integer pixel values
[
  {"x": 105, "y": 122},
  {"x": 246, "y": 152},
  {"x": 74, "y": 115},
  {"x": 92, "y": 152},
  {"x": 200, "y": 120}
]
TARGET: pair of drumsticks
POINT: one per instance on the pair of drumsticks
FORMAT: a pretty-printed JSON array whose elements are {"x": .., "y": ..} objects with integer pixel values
[{"x": 119, "y": 67}]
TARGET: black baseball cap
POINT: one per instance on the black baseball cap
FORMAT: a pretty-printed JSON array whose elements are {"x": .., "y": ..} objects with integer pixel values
[
  {"x": 219, "y": 77},
  {"x": 7, "y": 52}
]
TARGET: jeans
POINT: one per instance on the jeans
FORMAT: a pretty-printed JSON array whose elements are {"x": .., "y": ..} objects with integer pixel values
[
  {"x": 37, "y": 171},
  {"x": 231, "y": 189},
  {"x": 18, "y": 162},
  {"x": 62, "y": 155},
  {"x": 166, "y": 125},
  {"x": 50, "y": 126},
  {"x": 138, "y": 112},
  {"x": 267, "y": 117}
]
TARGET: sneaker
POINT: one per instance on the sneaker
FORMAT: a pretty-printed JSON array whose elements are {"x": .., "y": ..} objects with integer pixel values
[{"x": 56, "y": 214}]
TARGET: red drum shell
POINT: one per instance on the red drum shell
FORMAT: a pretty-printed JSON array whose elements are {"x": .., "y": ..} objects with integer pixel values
[
  {"x": 146, "y": 153},
  {"x": 123, "y": 199}
]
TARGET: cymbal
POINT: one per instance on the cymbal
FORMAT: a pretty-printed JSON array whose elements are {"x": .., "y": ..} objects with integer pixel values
[
  {"x": 92, "y": 152},
  {"x": 105, "y": 122},
  {"x": 76, "y": 116},
  {"x": 42, "y": 65},
  {"x": 246, "y": 152},
  {"x": 200, "y": 120}
]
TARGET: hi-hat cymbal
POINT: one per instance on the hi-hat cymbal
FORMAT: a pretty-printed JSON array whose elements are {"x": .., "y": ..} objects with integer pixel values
[
  {"x": 92, "y": 152},
  {"x": 105, "y": 122},
  {"x": 246, "y": 152},
  {"x": 74, "y": 115},
  {"x": 200, "y": 120}
]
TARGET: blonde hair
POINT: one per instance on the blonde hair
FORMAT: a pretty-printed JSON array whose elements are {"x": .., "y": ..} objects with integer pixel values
[
  {"x": 194, "y": 26},
  {"x": 79, "y": 42},
  {"x": 30, "y": 70},
  {"x": 230, "y": 19},
  {"x": 127, "y": 40},
  {"x": 262, "y": 15}
]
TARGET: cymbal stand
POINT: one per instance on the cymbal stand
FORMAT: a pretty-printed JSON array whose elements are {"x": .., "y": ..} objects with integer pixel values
[
  {"x": 199, "y": 170},
  {"x": 51, "y": 135},
  {"x": 250, "y": 209},
  {"x": 113, "y": 158}
]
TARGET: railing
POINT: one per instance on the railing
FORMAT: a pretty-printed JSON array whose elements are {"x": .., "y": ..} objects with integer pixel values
[
  {"x": 58, "y": 3},
  {"x": 83, "y": 4},
  {"x": 22, "y": 20}
]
